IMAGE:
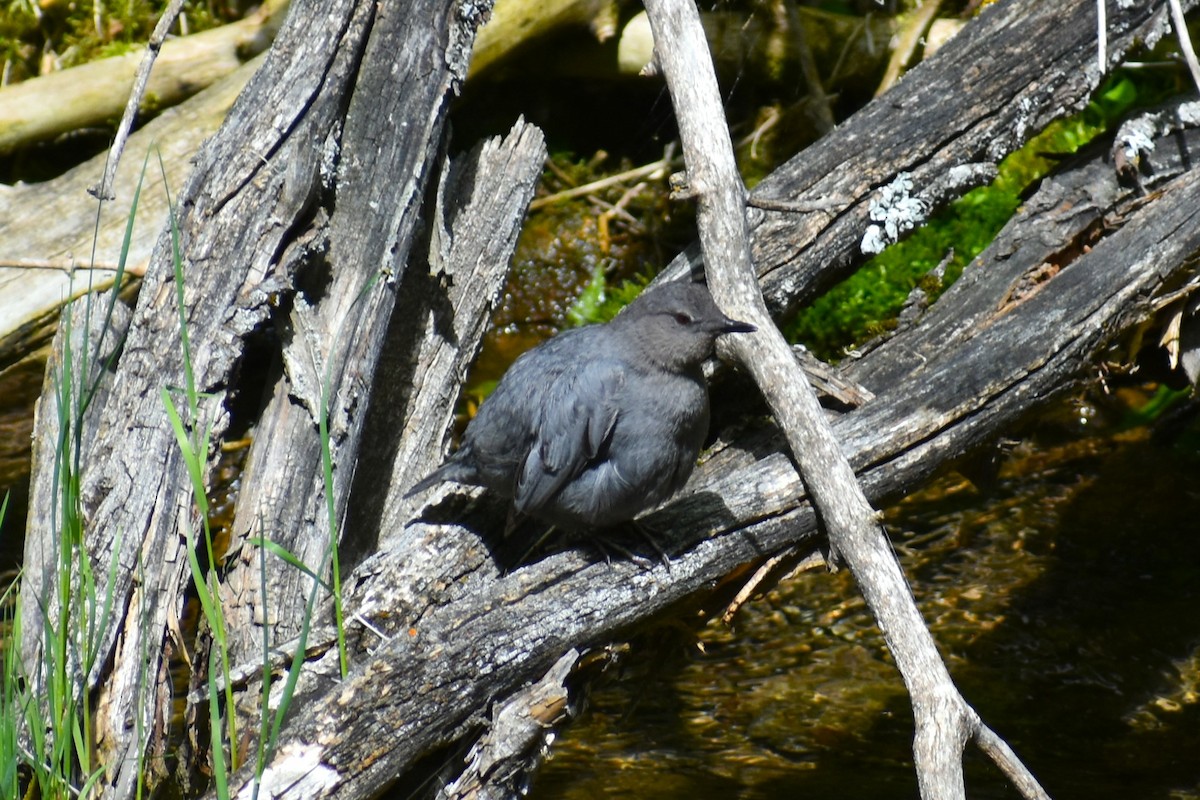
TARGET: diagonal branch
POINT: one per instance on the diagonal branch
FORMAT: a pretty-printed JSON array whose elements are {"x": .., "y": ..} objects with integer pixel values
[
  {"x": 944, "y": 720},
  {"x": 104, "y": 189}
]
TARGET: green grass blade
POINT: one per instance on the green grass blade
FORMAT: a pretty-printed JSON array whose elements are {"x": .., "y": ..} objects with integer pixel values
[
  {"x": 264, "y": 730},
  {"x": 289, "y": 558},
  {"x": 220, "y": 770}
]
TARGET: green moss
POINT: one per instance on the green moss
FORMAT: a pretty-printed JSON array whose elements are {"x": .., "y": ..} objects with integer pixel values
[
  {"x": 866, "y": 304},
  {"x": 67, "y": 34},
  {"x": 600, "y": 302}
]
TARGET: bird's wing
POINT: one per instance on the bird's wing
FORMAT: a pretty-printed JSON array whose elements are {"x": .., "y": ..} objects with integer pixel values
[{"x": 575, "y": 420}]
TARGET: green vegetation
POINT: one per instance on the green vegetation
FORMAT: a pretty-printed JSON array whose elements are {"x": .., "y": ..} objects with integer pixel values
[
  {"x": 195, "y": 448},
  {"x": 864, "y": 305},
  {"x": 37, "y": 36},
  {"x": 193, "y": 440},
  {"x": 47, "y": 736},
  {"x": 600, "y": 302}
]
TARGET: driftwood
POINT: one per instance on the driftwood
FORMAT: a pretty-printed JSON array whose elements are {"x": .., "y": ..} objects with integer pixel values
[
  {"x": 266, "y": 245},
  {"x": 51, "y": 228}
]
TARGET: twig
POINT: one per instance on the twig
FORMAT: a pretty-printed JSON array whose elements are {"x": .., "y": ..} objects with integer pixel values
[
  {"x": 909, "y": 38},
  {"x": 637, "y": 173},
  {"x": 104, "y": 190},
  {"x": 750, "y": 587},
  {"x": 799, "y": 207},
  {"x": 67, "y": 265},
  {"x": 1101, "y": 36},
  {"x": 1003, "y": 756},
  {"x": 611, "y": 211},
  {"x": 773, "y": 117}
]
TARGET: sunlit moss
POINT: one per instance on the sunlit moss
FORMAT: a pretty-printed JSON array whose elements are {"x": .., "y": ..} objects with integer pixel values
[
  {"x": 41, "y": 37},
  {"x": 866, "y": 304}
]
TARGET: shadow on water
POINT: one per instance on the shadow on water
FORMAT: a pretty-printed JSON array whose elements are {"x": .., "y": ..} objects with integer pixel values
[
  {"x": 1094, "y": 670},
  {"x": 1065, "y": 601}
]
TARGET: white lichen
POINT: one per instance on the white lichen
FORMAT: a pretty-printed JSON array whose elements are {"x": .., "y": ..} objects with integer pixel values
[
  {"x": 894, "y": 211},
  {"x": 1136, "y": 144}
]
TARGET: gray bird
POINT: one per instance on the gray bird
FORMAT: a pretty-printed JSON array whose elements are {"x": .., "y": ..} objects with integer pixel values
[{"x": 599, "y": 423}]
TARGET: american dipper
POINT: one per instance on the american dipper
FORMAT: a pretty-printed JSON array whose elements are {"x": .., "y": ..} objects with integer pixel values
[{"x": 599, "y": 423}]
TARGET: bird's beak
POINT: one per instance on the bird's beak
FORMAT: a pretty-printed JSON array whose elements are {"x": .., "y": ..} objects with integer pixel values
[{"x": 735, "y": 326}]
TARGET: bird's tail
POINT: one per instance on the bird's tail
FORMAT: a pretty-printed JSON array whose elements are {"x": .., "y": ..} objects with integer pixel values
[{"x": 453, "y": 470}]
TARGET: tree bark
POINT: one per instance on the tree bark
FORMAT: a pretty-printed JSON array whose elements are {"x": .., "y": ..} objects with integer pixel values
[{"x": 462, "y": 635}]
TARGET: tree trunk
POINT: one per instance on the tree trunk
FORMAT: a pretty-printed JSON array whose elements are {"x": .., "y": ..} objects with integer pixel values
[
  {"x": 299, "y": 235},
  {"x": 307, "y": 196}
]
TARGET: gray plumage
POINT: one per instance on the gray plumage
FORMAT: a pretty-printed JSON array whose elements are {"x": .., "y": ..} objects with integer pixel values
[{"x": 599, "y": 423}]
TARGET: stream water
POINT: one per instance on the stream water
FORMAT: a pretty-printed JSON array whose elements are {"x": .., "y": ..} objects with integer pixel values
[{"x": 1064, "y": 598}]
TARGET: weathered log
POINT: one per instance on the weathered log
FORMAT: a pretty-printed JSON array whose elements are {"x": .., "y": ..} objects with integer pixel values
[
  {"x": 949, "y": 122},
  {"x": 55, "y": 223},
  {"x": 95, "y": 93},
  {"x": 516, "y": 23},
  {"x": 269, "y": 192},
  {"x": 451, "y": 615}
]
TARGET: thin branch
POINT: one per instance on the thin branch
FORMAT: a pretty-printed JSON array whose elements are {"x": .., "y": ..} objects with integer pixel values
[
  {"x": 1185, "y": 41},
  {"x": 998, "y": 750},
  {"x": 834, "y": 203},
  {"x": 663, "y": 165},
  {"x": 906, "y": 43},
  {"x": 104, "y": 190},
  {"x": 68, "y": 265},
  {"x": 760, "y": 576},
  {"x": 944, "y": 721}
]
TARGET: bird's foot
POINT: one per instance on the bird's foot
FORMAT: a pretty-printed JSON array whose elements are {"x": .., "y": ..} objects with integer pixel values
[
  {"x": 607, "y": 547},
  {"x": 647, "y": 534}
]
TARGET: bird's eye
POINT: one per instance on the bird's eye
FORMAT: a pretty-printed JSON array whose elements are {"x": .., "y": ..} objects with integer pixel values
[{"x": 682, "y": 318}]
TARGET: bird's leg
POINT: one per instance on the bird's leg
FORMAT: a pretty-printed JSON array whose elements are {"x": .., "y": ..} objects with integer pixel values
[
  {"x": 607, "y": 547},
  {"x": 537, "y": 543},
  {"x": 512, "y": 520},
  {"x": 605, "y": 544},
  {"x": 647, "y": 535}
]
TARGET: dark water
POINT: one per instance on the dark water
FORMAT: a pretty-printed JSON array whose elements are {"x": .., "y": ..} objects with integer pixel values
[{"x": 1065, "y": 600}]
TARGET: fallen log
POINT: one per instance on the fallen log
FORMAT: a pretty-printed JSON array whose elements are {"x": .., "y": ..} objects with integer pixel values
[{"x": 448, "y": 612}]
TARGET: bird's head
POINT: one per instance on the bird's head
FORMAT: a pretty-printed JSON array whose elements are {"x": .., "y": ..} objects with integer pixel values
[{"x": 676, "y": 325}]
